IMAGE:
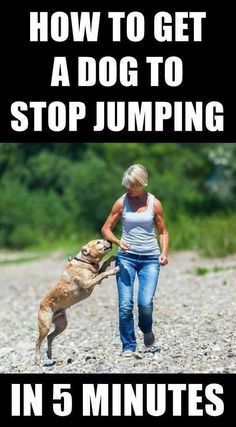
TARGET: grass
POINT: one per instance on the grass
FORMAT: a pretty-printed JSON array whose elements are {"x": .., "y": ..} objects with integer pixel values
[
  {"x": 19, "y": 260},
  {"x": 64, "y": 248},
  {"x": 211, "y": 236},
  {"x": 200, "y": 271}
]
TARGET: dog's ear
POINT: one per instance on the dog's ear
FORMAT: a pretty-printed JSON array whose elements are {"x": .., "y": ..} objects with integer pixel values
[{"x": 85, "y": 250}]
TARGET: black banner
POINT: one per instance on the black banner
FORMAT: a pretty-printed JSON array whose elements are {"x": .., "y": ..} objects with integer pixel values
[
  {"x": 150, "y": 73},
  {"x": 164, "y": 399}
]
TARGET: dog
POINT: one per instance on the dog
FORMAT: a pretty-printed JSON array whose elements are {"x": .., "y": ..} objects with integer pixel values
[{"x": 82, "y": 273}]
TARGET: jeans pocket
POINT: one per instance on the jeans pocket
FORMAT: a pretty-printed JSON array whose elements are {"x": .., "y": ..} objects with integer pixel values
[
  {"x": 122, "y": 255},
  {"x": 117, "y": 261}
]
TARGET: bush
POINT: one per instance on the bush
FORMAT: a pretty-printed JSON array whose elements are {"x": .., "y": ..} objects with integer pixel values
[
  {"x": 28, "y": 218},
  {"x": 211, "y": 236},
  {"x": 53, "y": 193}
]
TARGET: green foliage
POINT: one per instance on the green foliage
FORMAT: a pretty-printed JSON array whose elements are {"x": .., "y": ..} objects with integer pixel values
[
  {"x": 210, "y": 235},
  {"x": 61, "y": 193},
  {"x": 27, "y": 217},
  {"x": 201, "y": 271}
]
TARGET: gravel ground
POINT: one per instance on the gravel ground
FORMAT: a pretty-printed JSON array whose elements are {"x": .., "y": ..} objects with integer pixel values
[{"x": 194, "y": 321}]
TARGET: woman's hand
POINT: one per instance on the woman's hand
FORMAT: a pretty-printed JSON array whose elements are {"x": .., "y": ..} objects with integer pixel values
[
  {"x": 163, "y": 259},
  {"x": 124, "y": 246}
]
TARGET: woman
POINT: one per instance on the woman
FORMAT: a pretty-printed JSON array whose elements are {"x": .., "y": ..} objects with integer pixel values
[{"x": 138, "y": 252}]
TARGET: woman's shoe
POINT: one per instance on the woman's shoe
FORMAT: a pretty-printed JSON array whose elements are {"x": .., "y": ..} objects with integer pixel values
[
  {"x": 127, "y": 353},
  {"x": 148, "y": 339}
]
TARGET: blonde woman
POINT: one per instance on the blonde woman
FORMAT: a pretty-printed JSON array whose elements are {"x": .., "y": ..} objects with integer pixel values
[{"x": 139, "y": 253}]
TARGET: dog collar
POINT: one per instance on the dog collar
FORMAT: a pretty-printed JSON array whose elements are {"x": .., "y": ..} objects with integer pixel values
[{"x": 82, "y": 260}]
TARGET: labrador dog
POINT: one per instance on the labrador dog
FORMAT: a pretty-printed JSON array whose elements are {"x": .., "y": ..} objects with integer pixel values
[{"x": 82, "y": 273}]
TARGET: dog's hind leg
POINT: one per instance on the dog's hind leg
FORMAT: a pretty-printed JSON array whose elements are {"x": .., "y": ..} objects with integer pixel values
[
  {"x": 44, "y": 324},
  {"x": 60, "y": 322}
]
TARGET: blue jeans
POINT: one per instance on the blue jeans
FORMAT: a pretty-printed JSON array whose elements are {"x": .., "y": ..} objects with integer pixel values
[{"x": 147, "y": 268}]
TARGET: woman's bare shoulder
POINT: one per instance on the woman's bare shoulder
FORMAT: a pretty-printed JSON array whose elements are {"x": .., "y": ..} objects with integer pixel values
[
  {"x": 157, "y": 204},
  {"x": 118, "y": 204}
]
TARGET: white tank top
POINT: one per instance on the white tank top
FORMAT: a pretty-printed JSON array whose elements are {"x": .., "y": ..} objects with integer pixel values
[{"x": 138, "y": 228}]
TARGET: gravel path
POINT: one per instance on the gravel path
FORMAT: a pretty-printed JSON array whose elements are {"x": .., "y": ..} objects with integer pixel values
[{"x": 194, "y": 321}]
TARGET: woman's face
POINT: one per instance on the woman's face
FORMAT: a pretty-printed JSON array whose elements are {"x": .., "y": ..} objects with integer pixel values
[{"x": 135, "y": 190}]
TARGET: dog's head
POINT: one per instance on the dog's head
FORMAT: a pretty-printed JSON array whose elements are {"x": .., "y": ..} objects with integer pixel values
[{"x": 95, "y": 250}]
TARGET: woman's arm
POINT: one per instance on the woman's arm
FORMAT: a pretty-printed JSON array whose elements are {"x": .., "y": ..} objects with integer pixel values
[
  {"x": 111, "y": 222},
  {"x": 162, "y": 231}
]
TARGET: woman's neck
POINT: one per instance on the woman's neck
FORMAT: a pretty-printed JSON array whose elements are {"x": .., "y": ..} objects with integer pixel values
[{"x": 137, "y": 196}]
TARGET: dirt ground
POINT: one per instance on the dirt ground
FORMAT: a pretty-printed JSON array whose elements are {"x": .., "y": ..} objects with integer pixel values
[{"x": 194, "y": 320}]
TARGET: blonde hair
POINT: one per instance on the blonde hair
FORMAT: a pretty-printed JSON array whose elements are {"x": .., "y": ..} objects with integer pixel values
[{"x": 135, "y": 175}]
